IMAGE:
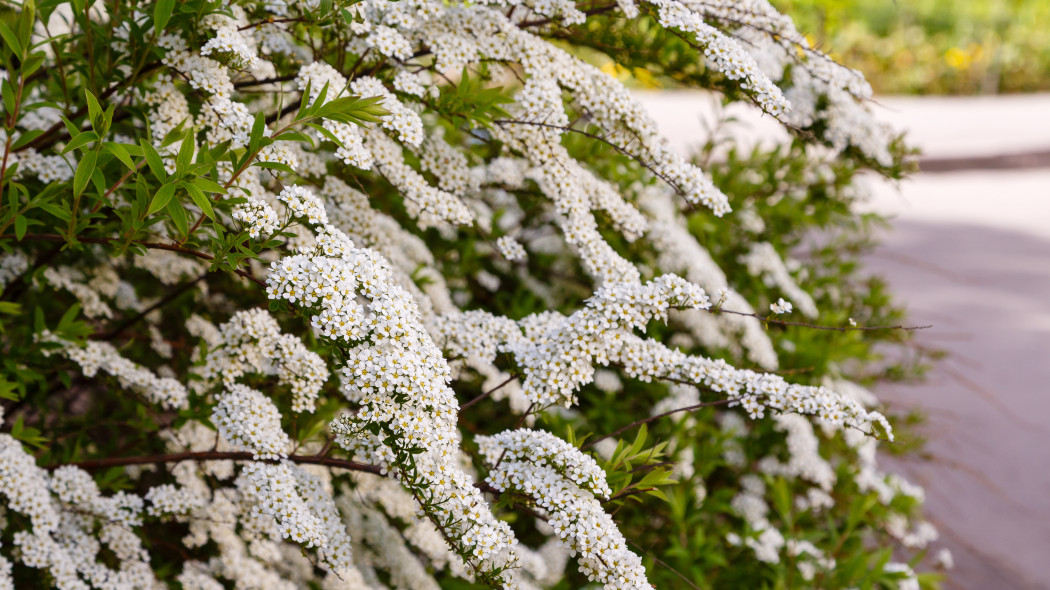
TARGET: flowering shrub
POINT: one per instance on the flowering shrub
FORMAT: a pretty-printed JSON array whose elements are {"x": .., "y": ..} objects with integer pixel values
[{"x": 408, "y": 294}]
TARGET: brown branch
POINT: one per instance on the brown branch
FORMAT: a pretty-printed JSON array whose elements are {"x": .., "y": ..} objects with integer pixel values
[
  {"x": 151, "y": 245},
  {"x": 719, "y": 402},
  {"x": 49, "y": 136},
  {"x": 271, "y": 21},
  {"x": 487, "y": 393},
  {"x": 619, "y": 149},
  {"x": 105, "y": 462},
  {"x": 264, "y": 81},
  {"x": 770, "y": 320},
  {"x": 111, "y": 334}
]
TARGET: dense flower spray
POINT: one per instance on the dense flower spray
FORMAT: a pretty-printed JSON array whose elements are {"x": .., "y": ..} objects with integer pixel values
[{"x": 402, "y": 186}]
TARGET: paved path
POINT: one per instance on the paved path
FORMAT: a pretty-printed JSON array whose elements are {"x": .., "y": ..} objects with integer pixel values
[{"x": 969, "y": 252}]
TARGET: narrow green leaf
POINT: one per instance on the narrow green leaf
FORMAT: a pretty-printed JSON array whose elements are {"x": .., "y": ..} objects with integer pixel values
[
  {"x": 304, "y": 101},
  {"x": 328, "y": 134},
  {"x": 275, "y": 166},
  {"x": 161, "y": 14},
  {"x": 120, "y": 152},
  {"x": 70, "y": 127},
  {"x": 83, "y": 173},
  {"x": 257, "y": 132},
  {"x": 8, "y": 94},
  {"x": 20, "y": 227},
  {"x": 94, "y": 109},
  {"x": 27, "y": 137},
  {"x": 156, "y": 165},
  {"x": 26, "y": 21},
  {"x": 201, "y": 200},
  {"x": 178, "y": 216},
  {"x": 68, "y": 318},
  {"x": 80, "y": 140},
  {"x": 209, "y": 186},
  {"x": 32, "y": 64},
  {"x": 11, "y": 40},
  {"x": 292, "y": 135},
  {"x": 160, "y": 200},
  {"x": 185, "y": 157},
  {"x": 56, "y": 210}
]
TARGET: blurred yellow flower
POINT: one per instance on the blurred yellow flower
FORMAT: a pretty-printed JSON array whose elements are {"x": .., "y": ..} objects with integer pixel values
[
  {"x": 958, "y": 58},
  {"x": 616, "y": 70}
]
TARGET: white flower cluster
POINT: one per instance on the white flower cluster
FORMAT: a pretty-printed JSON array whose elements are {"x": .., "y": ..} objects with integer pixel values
[
  {"x": 804, "y": 454},
  {"x": 252, "y": 342},
  {"x": 72, "y": 280},
  {"x": 171, "y": 499},
  {"x": 557, "y": 354},
  {"x": 95, "y": 356},
  {"x": 11, "y": 266},
  {"x": 401, "y": 382},
  {"x": 679, "y": 251},
  {"x": 389, "y": 42},
  {"x": 237, "y": 49},
  {"x": 511, "y": 249},
  {"x": 726, "y": 54},
  {"x": 249, "y": 421},
  {"x": 764, "y": 261},
  {"x": 274, "y": 489},
  {"x": 50, "y": 168},
  {"x": 64, "y": 542},
  {"x": 257, "y": 216},
  {"x": 303, "y": 203},
  {"x": 781, "y": 306},
  {"x": 563, "y": 482},
  {"x": 543, "y": 448}
]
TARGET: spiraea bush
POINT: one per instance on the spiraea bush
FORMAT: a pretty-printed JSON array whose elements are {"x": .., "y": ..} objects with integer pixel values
[{"x": 320, "y": 294}]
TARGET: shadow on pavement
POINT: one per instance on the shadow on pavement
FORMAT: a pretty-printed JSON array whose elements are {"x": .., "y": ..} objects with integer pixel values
[{"x": 987, "y": 293}]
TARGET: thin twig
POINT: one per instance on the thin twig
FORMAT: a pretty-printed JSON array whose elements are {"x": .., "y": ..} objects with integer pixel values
[{"x": 487, "y": 393}]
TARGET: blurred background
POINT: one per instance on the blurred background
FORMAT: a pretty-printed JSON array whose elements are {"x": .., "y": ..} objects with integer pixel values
[{"x": 967, "y": 250}]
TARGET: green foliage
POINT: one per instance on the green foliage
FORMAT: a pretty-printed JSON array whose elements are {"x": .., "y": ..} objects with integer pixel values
[
  {"x": 934, "y": 46},
  {"x": 672, "y": 484}
]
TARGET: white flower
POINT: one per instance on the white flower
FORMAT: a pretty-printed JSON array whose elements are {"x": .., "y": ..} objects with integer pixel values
[{"x": 781, "y": 306}]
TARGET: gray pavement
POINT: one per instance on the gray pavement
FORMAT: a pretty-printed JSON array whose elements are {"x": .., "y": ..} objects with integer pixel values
[{"x": 968, "y": 252}]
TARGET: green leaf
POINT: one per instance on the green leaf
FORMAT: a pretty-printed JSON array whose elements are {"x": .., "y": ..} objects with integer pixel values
[
  {"x": 32, "y": 63},
  {"x": 161, "y": 14},
  {"x": 352, "y": 110},
  {"x": 20, "y": 227},
  {"x": 328, "y": 134},
  {"x": 305, "y": 101},
  {"x": 178, "y": 216},
  {"x": 68, "y": 318},
  {"x": 8, "y": 95},
  {"x": 121, "y": 153},
  {"x": 11, "y": 40},
  {"x": 7, "y": 390},
  {"x": 27, "y": 137},
  {"x": 83, "y": 174},
  {"x": 257, "y": 132},
  {"x": 25, "y": 23},
  {"x": 209, "y": 186},
  {"x": 275, "y": 166},
  {"x": 156, "y": 165},
  {"x": 185, "y": 157},
  {"x": 293, "y": 135},
  {"x": 94, "y": 109},
  {"x": 201, "y": 200},
  {"x": 161, "y": 199},
  {"x": 80, "y": 140},
  {"x": 72, "y": 129}
]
